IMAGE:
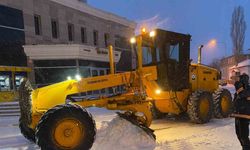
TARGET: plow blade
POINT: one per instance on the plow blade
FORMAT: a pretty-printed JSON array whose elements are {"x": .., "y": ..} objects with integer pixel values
[{"x": 132, "y": 120}]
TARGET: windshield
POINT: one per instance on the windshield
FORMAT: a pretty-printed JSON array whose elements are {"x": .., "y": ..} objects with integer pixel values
[{"x": 147, "y": 56}]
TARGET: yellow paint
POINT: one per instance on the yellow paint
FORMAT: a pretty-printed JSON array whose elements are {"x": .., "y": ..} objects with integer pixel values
[
  {"x": 165, "y": 101},
  {"x": 68, "y": 133},
  {"x": 141, "y": 90},
  {"x": 111, "y": 59},
  {"x": 7, "y": 96},
  {"x": 225, "y": 104},
  {"x": 15, "y": 69},
  {"x": 204, "y": 107},
  {"x": 203, "y": 78}
]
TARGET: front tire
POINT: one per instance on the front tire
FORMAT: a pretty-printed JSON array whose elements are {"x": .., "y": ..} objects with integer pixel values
[
  {"x": 27, "y": 132},
  {"x": 25, "y": 119},
  {"x": 223, "y": 104},
  {"x": 66, "y": 127},
  {"x": 200, "y": 107}
]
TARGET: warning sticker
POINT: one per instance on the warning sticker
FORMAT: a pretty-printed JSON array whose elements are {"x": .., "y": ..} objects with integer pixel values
[{"x": 193, "y": 76}]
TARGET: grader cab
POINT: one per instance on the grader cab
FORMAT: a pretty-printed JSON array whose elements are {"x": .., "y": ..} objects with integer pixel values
[{"x": 163, "y": 82}]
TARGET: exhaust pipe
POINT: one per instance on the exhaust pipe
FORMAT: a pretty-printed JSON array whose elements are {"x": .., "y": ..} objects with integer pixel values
[{"x": 199, "y": 54}]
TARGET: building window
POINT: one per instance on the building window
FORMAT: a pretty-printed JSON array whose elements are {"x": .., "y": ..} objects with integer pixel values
[
  {"x": 121, "y": 42},
  {"x": 55, "y": 28},
  {"x": 95, "y": 34},
  {"x": 38, "y": 26},
  {"x": 106, "y": 39},
  {"x": 83, "y": 35},
  {"x": 71, "y": 32}
]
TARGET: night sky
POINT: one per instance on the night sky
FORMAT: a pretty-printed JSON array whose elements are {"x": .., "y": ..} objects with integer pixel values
[{"x": 203, "y": 19}]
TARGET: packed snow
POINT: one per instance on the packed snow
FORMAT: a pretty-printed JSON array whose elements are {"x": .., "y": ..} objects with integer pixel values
[
  {"x": 115, "y": 133},
  {"x": 119, "y": 134}
]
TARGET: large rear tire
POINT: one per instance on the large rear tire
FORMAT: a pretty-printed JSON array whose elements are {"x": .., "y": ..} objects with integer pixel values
[
  {"x": 66, "y": 127},
  {"x": 200, "y": 107},
  {"x": 223, "y": 104}
]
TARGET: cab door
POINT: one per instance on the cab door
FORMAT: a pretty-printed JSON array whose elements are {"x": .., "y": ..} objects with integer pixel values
[{"x": 173, "y": 60}]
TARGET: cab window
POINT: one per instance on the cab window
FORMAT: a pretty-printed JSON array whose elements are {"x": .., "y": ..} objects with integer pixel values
[
  {"x": 146, "y": 56},
  {"x": 174, "y": 52}
]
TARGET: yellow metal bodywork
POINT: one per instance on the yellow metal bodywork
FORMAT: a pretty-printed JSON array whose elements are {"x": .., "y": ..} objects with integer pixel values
[
  {"x": 8, "y": 96},
  {"x": 47, "y": 97},
  {"x": 203, "y": 78},
  {"x": 141, "y": 85},
  {"x": 15, "y": 69},
  {"x": 165, "y": 101}
]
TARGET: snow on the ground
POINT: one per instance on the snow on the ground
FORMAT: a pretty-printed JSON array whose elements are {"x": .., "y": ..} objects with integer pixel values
[
  {"x": 171, "y": 135},
  {"x": 117, "y": 134},
  {"x": 120, "y": 134},
  {"x": 230, "y": 87},
  {"x": 180, "y": 135}
]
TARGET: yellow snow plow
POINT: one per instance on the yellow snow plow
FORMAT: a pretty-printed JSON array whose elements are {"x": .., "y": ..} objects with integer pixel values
[{"x": 164, "y": 82}]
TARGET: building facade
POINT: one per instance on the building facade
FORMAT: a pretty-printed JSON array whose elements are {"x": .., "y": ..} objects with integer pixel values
[
  {"x": 44, "y": 26},
  {"x": 232, "y": 66}
]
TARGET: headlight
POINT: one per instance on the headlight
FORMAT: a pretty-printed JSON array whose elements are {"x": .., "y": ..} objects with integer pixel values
[
  {"x": 78, "y": 77},
  {"x": 152, "y": 34},
  {"x": 69, "y": 78},
  {"x": 133, "y": 40},
  {"x": 158, "y": 91}
]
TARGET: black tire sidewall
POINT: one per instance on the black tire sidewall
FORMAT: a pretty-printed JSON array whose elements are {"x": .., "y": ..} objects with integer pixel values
[
  {"x": 208, "y": 96},
  {"x": 46, "y": 127},
  {"x": 27, "y": 132},
  {"x": 194, "y": 106},
  {"x": 217, "y": 98}
]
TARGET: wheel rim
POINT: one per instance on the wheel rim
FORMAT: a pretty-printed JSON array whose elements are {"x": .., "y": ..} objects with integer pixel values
[
  {"x": 204, "y": 107},
  {"x": 225, "y": 104},
  {"x": 68, "y": 133}
]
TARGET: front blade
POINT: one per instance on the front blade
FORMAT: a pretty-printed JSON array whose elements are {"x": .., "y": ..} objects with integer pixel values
[{"x": 132, "y": 120}]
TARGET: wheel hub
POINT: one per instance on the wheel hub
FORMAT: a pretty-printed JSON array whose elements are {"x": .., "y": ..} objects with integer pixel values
[
  {"x": 204, "y": 107},
  {"x": 225, "y": 105},
  {"x": 68, "y": 133}
]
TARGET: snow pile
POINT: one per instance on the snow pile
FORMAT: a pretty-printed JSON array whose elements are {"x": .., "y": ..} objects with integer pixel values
[
  {"x": 119, "y": 134},
  {"x": 231, "y": 89},
  {"x": 219, "y": 138}
]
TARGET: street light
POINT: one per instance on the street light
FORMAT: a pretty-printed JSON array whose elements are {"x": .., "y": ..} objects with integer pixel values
[{"x": 213, "y": 43}]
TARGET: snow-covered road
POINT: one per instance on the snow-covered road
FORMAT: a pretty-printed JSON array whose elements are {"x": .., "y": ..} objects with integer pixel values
[{"x": 171, "y": 134}]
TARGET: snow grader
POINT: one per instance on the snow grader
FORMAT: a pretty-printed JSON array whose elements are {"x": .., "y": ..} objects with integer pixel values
[{"x": 163, "y": 82}]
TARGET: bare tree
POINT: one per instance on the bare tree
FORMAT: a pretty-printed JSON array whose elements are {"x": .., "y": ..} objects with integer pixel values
[{"x": 238, "y": 28}]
